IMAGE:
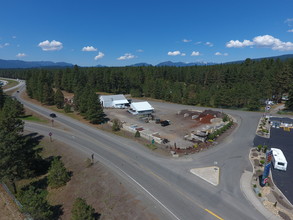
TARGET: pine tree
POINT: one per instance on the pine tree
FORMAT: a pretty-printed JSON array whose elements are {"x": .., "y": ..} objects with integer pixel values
[
  {"x": 94, "y": 111},
  {"x": 16, "y": 153},
  {"x": 2, "y": 98},
  {"x": 13, "y": 107},
  {"x": 81, "y": 210},
  {"x": 34, "y": 202},
  {"x": 67, "y": 108},
  {"x": 57, "y": 175},
  {"x": 59, "y": 99},
  {"x": 289, "y": 102},
  {"x": 47, "y": 94}
]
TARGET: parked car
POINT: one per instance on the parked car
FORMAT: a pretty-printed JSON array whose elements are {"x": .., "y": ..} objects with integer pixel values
[
  {"x": 165, "y": 123},
  {"x": 53, "y": 115}
]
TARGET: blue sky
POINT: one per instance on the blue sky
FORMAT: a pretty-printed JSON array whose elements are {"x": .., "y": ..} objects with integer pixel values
[{"x": 118, "y": 33}]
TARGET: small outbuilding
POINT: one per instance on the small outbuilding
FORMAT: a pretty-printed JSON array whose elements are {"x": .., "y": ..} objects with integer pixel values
[
  {"x": 113, "y": 101},
  {"x": 141, "y": 108}
]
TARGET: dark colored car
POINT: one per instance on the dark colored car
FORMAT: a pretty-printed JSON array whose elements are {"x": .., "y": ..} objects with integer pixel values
[
  {"x": 53, "y": 115},
  {"x": 165, "y": 123}
]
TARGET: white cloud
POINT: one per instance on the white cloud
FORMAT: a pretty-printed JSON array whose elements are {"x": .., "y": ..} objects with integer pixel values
[
  {"x": 139, "y": 50},
  {"x": 126, "y": 56},
  {"x": 174, "y": 53},
  {"x": 289, "y": 21},
  {"x": 21, "y": 55},
  {"x": 50, "y": 46},
  {"x": 195, "y": 53},
  {"x": 291, "y": 31},
  {"x": 186, "y": 40},
  {"x": 221, "y": 54},
  {"x": 183, "y": 54},
  {"x": 99, "y": 56},
  {"x": 266, "y": 41},
  {"x": 198, "y": 42},
  {"x": 89, "y": 49},
  {"x": 4, "y": 45},
  {"x": 209, "y": 44},
  {"x": 238, "y": 44},
  {"x": 14, "y": 37}
]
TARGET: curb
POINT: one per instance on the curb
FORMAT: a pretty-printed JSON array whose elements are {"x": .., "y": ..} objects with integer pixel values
[{"x": 250, "y": 196}]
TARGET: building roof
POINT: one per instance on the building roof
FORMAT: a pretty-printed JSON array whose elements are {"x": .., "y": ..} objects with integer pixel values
[
  {"x": 141, "y": 106},
  {"x": 118, "y": 102},
  {"x": 121, "y": 98}
]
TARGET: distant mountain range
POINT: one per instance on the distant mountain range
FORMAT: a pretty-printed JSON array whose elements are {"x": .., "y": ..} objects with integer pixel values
[
  {"x": 281, "y": 57},
  {"x": 9, "y": 64},
  {"x": 170, "y": 63}
]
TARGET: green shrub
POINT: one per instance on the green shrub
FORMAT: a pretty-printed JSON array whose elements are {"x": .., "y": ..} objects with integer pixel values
[
  {"x": 81, "y": 210},
  {"x": 259, "y": 195},
  {"x": 116, "y": 125},
  {"x": 225, "y": 118},
  {"x": 137, "y": 134},
  {"x": 259, "y": 147}
]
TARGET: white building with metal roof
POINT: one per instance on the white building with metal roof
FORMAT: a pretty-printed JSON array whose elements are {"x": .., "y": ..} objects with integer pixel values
[
  {"x": 113, "y": 101},
  {"x": 141, "y": 108}
]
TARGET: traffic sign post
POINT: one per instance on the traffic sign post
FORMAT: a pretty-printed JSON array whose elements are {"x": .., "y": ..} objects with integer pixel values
[
  {"x": 52, "y": 122},
  {"x": 50, "y": 134}
]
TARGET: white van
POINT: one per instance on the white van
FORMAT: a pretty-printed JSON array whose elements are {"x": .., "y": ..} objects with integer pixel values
[{"x": 279, "y": 161}]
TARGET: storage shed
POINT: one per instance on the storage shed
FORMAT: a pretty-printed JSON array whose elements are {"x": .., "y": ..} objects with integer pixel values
[
  {"x": 141, "y": 108},
  {"x": 113, "y": 101}
]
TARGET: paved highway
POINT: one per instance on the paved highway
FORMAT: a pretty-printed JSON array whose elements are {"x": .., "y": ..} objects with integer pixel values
[
  {"x": 21, "y": 83},
  {"x": 168, "y": 182}
]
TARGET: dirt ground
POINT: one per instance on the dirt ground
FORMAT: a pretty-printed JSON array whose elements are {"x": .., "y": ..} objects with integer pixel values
[
  {"x": 8, "y": 208},
  {"x": 110, "y": 196}
]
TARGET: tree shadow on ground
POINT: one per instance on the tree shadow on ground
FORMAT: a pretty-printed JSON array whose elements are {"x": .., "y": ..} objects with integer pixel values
[
  {"x": 39, "y": 184},
  {"x": 105, "y": 120},
  {"x": 97, "y": 216},
  {"x": 25, "y": 116},
  {"x": 57, "y": 212}
]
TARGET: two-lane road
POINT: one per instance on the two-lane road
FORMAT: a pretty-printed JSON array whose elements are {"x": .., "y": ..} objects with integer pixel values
[{"x": 168, "y": 182}]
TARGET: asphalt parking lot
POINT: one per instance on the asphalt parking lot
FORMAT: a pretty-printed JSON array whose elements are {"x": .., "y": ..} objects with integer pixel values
[{"x": 283, "y": 140}]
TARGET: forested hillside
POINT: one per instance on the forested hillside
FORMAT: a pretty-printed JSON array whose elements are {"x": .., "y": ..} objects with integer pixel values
[{"x": 244, "y": 85}]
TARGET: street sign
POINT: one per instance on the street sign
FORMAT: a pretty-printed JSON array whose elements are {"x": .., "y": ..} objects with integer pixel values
[
  {"x": 50, "y": 134},
  {"x": 268, "y": 108}
]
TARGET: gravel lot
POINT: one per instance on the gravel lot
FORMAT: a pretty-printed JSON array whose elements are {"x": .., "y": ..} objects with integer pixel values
[{"x": 181, "y": 123}]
